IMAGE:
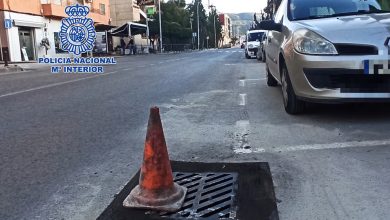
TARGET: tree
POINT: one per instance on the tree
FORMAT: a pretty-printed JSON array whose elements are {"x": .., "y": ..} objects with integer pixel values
[
  {"x": 178, "y": 17},
  {"x": 175, "y": 23},
  {"x": 210, "y": 28},
  {"x": 203, "y": 24},
  {"x": 234, "y": 40},
  {"x": 271, "y": 8}
]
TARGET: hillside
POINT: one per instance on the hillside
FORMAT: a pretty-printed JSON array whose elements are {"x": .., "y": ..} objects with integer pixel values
[{"x": 241, "y": 22}]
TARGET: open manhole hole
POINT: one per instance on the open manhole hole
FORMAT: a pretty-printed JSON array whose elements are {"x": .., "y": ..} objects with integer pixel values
[
  {"x": 209, "y": 195},
  {"x": 216, "y": 191}
]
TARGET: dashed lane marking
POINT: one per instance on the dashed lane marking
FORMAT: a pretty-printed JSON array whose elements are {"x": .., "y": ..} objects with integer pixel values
[
  {"x": 241, "y": 142},
  {"x": 242, "y": 99}
]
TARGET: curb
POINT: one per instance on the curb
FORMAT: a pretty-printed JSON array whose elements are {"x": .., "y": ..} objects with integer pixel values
[{"x": 10, "y": 69}]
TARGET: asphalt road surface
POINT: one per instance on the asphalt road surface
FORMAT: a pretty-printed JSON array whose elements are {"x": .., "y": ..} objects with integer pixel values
[{"x": 69, "y": 142}]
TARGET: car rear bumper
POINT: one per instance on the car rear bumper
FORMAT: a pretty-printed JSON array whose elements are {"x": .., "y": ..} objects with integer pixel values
[
  {"x": 252, "y": 51},
  {"x": 338, "y": 78}
]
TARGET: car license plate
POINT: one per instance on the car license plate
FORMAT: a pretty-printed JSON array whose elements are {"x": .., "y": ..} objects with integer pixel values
[{"x": 376, "y": 66}]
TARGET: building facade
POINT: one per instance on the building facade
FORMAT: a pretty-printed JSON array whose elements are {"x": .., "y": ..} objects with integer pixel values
[
  {"x": 36, "y": 22},
  {"x": 226, "y": 24},
  {"x": 123, "y": 11}
]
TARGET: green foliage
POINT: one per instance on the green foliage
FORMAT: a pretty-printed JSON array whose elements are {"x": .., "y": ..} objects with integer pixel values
[
  {"x": 210, "y": 28},
  {"x": 175, "y": 23},
  {"x": 177, "y": 18}
]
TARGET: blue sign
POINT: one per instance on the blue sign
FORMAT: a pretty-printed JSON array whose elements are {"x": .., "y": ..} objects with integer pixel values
[
  {"x": 7, "y": 23},
  {"x": 77, "y": 33}
]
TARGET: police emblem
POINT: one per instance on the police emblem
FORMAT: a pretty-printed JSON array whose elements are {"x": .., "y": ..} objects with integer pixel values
[{"x": 77, "y": 33}]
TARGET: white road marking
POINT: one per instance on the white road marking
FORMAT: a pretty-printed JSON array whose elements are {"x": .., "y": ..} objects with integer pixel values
[
  {"x": 339, "y": 145},
  {"x": 242, "y": 82},
  {"x": 241, "y": 143},
  {"x": 255, "y": 79},
  {"x": 242, "y": 99},
  {"x": 55, "y": 84}
]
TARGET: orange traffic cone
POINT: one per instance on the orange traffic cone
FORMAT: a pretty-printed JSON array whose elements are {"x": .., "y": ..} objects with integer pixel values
[{"x": 156, "y": 189}]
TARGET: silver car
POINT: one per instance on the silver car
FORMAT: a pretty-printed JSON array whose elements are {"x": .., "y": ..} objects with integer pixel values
[{"x": 329, "y": 51}]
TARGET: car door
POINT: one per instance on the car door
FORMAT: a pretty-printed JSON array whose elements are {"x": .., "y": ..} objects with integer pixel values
[{"x": 274, "y": 42}]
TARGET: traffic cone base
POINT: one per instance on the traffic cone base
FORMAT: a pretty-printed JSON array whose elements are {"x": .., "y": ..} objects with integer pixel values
[
  {"x": 156, "y": 189},
  {"x": 169, "y": 200}
]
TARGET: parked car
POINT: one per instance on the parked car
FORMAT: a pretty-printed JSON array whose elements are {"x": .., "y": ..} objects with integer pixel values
[
  {"x": 261, "y": 49},
  {"x": 253, "y": 38},
  {"x": 329, "y": 51}
]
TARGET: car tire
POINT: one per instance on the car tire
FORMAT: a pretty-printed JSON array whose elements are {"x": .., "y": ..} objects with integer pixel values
[
  {"x": 271, "y": 81},
  {"x": 247, "y": 56},
  {"x": 291, "y": 102}
]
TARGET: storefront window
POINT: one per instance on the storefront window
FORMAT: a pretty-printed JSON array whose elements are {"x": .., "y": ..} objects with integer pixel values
[{"x": 57, "y": 43}]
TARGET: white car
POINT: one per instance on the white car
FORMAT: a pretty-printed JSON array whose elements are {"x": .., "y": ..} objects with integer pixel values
[{"x": 253, "y": 39}]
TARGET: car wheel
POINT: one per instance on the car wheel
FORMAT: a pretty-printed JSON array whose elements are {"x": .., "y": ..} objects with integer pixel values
[
  {"x": 247, "y": 56},
  {"x": 271, "y": 81},
  {"x": 292, "y": 104}
]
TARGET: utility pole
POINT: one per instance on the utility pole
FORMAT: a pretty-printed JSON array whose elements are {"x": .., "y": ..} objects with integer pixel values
[
  {"x": 197, "y": 12},
  {"x": 192, "y": 35},
  {"x": 159, "y": 16},
  {"x": 215, "y": 29}
]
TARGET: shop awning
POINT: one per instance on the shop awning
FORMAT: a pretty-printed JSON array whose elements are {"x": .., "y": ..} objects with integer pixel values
[
  {"x": 130, "y": 29},
  {"x": 103, "y": 27}
]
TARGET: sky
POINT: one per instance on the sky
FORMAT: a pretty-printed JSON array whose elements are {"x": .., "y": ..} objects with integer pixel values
[{"x": 236, "y": 6}]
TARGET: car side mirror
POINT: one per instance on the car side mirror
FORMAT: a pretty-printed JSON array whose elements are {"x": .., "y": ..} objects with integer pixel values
[{"x": 270, "y": 25}]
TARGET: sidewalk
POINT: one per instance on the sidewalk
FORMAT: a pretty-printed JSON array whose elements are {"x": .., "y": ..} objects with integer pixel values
[{"x": 12, "y": 68}]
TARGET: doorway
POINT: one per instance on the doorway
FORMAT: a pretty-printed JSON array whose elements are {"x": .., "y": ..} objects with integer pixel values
[{"x": 27, "y": 47}]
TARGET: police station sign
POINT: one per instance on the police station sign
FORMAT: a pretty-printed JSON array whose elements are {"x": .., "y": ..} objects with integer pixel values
[{"x": 77, "y": 36}]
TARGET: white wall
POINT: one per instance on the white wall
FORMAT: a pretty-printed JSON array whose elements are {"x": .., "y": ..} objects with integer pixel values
[
  {"x": 54, "y": 26},
  {"x": 38, "y": 33}
]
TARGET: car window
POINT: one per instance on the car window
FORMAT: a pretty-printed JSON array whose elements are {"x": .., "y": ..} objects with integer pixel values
[
  {"x": 311, "y": 9},
  {"x": 255, "y": 36}
]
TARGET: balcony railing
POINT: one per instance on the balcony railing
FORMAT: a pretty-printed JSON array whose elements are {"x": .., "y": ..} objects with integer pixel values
[
  {"x": 56, "y": 8},
  {"x": 62, "y": 2}
]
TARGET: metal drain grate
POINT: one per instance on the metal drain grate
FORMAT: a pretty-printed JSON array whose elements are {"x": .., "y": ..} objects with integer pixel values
[{"x": 209, "y": 196}]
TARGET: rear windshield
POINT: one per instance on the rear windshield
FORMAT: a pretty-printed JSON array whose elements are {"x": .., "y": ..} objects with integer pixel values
[
  {"x": 255, "y": 36},
  {"x": 312, "y": 9}
]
